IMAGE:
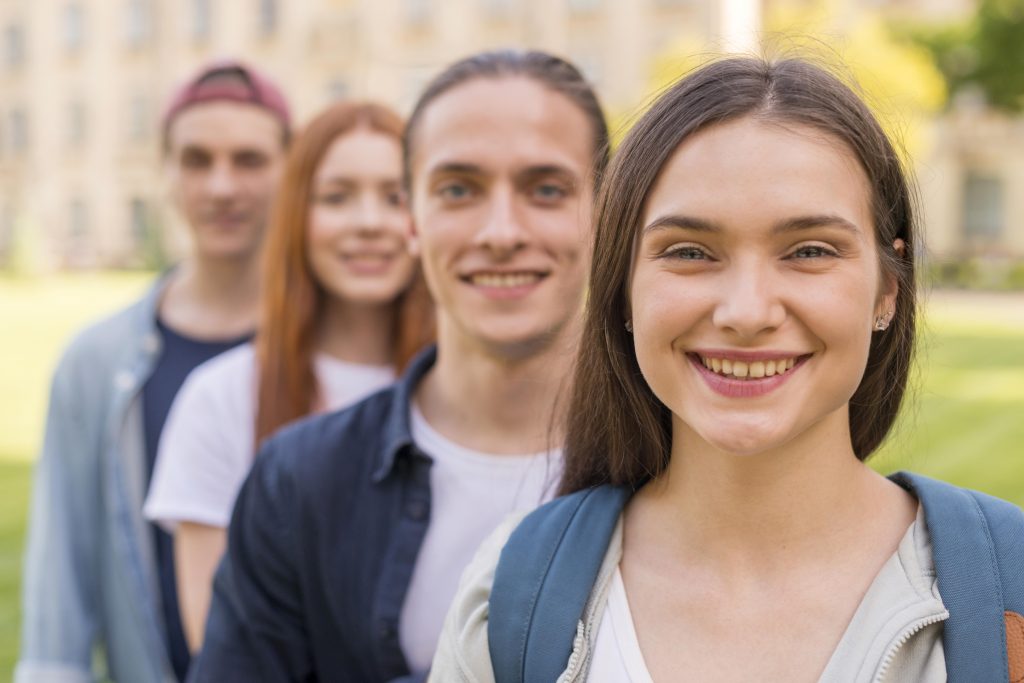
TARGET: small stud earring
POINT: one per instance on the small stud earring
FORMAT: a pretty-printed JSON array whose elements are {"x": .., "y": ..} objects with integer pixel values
[
  {"x": 881, "y": 323},
  {"x": 629, "y": 326}
]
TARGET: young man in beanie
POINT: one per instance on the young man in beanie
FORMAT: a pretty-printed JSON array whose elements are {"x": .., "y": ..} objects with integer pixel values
[{"x": 98, "y": 577}]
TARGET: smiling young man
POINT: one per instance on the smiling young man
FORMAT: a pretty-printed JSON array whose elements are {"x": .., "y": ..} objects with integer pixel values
[
  {"x": 349, "y": 537},
  {"x": 97, "y": 575}
]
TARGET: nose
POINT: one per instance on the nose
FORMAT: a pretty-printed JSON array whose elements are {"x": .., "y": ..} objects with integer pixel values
[
  {"x": 221, "y": 181},
  {"x": 370, "y": 219},
  {"x": 748, "y": 301},
  {"x": 502, "y": 232}
]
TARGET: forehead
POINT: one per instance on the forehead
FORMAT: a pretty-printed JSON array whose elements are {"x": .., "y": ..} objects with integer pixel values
[
  {"x": 225, "y": 126},
  {"x": 751, "y": 172},
  {"x": 502, "y": 123},
  {"x": 364, "y": 152}
]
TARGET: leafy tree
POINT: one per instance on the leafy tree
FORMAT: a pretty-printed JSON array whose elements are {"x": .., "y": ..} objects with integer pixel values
[{"x": 985, "y": 53}]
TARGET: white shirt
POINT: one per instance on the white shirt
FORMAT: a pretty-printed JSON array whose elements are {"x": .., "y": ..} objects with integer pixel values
[
  {"x": 901, "y": 598},
  {"x": 471, "y": 493},
  {"x": 207, "y": 446}
]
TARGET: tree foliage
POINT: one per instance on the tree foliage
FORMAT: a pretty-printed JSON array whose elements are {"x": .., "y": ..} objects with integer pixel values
[{"x": 984, "y": 54}]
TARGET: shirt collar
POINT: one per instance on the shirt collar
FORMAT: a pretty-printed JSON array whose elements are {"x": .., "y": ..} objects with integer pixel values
[{"x": 397, "y": 423}]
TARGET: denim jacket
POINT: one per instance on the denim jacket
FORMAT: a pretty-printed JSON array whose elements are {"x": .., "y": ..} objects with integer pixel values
[{"x": 90, "y": 578}]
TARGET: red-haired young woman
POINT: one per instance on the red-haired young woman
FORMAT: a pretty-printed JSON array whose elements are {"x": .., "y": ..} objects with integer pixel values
[{"x": 343, "y": 308}]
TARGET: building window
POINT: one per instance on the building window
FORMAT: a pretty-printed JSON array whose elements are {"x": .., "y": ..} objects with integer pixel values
[
  {"x": 76, "y": 123},
  {"x": 78, "y": 223},
  {"x": 139, "y": 119},
  {"x": 138, "y": 22},
  {"x": 983, "y": 207},
  {"x": 14, "y": 46},
  {"x": 590, "y": 65},
  {"x": 497, "y": 9},
  {"x": 584, "y": 6},
  {"x": 268, "y": 16},
  {"x": 200, "y": 20},
  {"x": 417, "y": 12},
  {"x": 18, "y": 131},
  {"x": 74, "y": 27},
  {"x": 338, "y": 89},
  {"x": 138, "y": 212}
]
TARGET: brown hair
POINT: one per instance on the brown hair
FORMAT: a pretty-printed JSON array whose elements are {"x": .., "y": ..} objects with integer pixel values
[
  {"x": 550, "y": 71},
  {"x": 618, "y": 431},
  {"x": 293, "y": 299}
]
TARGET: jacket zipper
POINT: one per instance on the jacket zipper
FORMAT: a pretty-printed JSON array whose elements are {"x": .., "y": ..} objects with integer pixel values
[{"x": 908, "y": 633}]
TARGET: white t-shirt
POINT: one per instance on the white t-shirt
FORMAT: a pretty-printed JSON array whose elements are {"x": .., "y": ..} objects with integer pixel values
[
  {"x": 207, "y": 448},
  {"x": 617, "y": 656},
  {"x": 471, "y": 493},
  {"x": 888, "y": 612}
]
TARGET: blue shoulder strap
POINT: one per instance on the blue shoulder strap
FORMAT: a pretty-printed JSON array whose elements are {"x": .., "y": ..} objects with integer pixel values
[
  {"x": 544, "y": 577},
  {"x": 978, "y": 546}
]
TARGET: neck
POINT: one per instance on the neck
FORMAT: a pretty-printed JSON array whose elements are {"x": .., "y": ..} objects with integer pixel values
[
  {"x": 358, "y": 333},
  {"x": 213, "y": 298},
  {"x": 498, "y": 400},
  {"x": 806, "y": 499}
]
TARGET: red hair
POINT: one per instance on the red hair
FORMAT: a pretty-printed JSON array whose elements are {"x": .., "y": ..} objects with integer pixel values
[{"x": 293, "y": 300}]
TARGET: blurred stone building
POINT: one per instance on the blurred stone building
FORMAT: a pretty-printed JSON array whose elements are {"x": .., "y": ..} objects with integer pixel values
[{"x": 83, "y": 83}]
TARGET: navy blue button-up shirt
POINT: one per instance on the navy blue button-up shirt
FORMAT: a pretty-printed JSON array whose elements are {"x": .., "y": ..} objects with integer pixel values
[{"x": 321, "y": 549}]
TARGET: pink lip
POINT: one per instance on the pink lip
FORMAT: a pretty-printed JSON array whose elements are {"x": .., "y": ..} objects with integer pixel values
[
  {"x": 744, "y": 388},
  {"x": 381, "y": 263}
]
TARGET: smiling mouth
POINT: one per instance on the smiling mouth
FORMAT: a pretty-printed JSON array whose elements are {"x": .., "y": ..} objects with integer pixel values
[
  {"x": 730, "y": 368},
  {"x": 504, "y": 280}
]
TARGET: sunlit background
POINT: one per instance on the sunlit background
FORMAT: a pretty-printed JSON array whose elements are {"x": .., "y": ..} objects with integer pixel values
[{"x": 83, "y": 222}]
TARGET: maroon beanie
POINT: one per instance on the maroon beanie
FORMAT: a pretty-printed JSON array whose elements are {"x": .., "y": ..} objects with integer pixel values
[{"x": 232, "y": 81}]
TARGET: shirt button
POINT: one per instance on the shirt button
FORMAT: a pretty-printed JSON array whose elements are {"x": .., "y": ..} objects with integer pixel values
[
  {"x": 416, "y": 510},
  {"x": 387, "y": 630},
  {"x": 124, "y": 380}
]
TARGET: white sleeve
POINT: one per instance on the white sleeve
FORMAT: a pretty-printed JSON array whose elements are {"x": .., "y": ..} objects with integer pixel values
[{"x": 205, "y": 451}]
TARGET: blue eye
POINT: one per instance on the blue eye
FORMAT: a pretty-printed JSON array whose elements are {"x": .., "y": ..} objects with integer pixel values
[
  {"x": 812, "y": 251},
  {"x": 549, "y": 192},
  {"x": 454, "y": 191},
  {"x": 686, "y": 254},
  {"x": 332, "y": 198}
]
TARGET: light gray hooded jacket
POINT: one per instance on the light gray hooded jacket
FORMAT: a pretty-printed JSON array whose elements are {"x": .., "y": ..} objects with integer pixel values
[{"x": 894, "y": 637}]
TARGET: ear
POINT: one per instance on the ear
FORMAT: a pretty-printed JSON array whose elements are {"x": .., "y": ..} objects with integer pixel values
[{"x": 890, "y": 286}]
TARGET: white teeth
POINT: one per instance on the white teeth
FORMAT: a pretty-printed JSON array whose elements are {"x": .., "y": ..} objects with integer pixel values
[
  {"x": 738, "y": 369},
  {"x": 504, "y": 279}
]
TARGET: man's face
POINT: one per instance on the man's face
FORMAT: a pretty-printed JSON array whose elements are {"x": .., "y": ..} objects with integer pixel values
[
  {"x": 502, "y": 191},
  {"x": 223, "y": 163}
]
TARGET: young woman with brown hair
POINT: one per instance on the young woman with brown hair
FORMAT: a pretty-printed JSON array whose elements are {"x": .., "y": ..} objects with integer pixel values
[
  {"x": 343, "y": 308},
  {"x": 748, "y": 336}
]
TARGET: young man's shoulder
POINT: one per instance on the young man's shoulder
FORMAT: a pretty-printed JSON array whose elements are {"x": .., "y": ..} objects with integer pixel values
[
  {"x": 328, "y": 448},
  {"x": 106, "y": 340}
]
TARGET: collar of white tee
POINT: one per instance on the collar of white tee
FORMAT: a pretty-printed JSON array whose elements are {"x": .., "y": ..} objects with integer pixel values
[{"x": 441, "y": 448}]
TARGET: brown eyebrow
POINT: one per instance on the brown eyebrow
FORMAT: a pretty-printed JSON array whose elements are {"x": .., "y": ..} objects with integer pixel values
[
  {"x": 457, "y": 168},
  {"x": 790, "y": 225}
]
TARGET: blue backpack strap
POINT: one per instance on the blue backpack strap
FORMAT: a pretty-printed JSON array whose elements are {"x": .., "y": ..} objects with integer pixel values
[
  {"x": 978, "y": 547},
  {"x": 544, "y": 577}
]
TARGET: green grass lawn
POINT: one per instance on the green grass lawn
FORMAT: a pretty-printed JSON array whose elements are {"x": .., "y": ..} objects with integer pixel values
[{"x": 965, "y": 421}]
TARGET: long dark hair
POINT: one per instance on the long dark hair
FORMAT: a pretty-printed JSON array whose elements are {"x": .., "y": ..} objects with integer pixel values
[
  {"x": 618, "y": 431},
  {"x": 548, "y": 70}
]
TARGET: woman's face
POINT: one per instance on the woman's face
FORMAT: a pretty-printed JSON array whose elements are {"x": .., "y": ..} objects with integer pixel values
[
  {"x": 358, "y": 223},
  {"x": 757, "y": 257}
]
